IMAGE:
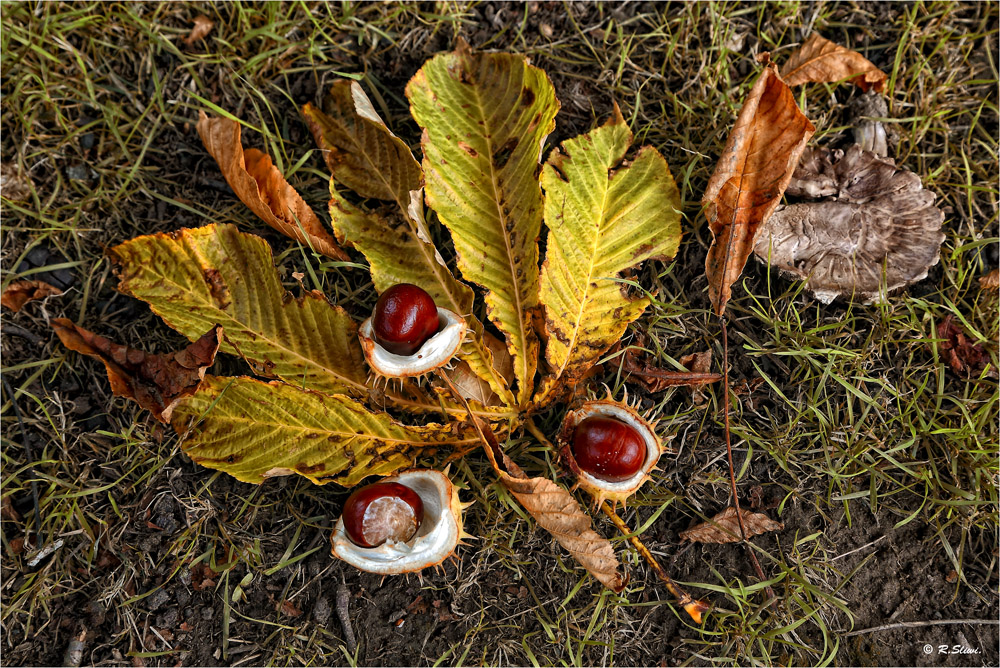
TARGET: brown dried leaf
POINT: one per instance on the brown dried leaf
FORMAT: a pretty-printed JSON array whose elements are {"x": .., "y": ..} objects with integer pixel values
[
  {"x": 960, "y": 354},
  {"x": 259, "y": 185},
  {"x": 155, "y": 382},
  {"x": 200, "y": 30},
  {"x": 556, "y": 511},
  {"x": 19, "y": 293},
  {"x": 697, "y": 362},
  {"x": 879, "y": 232},
  {"x": 725, "y": 527},
  {"x": 819, "y": 60},
  {"x": 14, "y": 183},
  {"x": 990, "y": 281},
  {"x": 750, "y": 177},
  {"x": 290, "y": 609}
]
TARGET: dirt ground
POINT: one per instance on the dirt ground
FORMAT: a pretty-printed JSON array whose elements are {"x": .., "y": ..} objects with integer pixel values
[{"x": 138, "y": 523}]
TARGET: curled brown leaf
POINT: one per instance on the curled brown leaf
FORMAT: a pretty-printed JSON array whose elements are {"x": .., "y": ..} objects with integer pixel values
[
  {"x": 19, "y": 293},
  {"x": 819, "y": 60},
  {"x": 155, "y": 382},
  {"x": 756, "y": 166},
  {"x": 259, "y": 185},
  {"x": 725, "y": 527}
]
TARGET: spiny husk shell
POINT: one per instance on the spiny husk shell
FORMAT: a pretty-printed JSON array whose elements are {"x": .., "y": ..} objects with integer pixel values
[
  {"x": 436, "y": 539},
  {"x": 603, "y": 490},
  {"x": 434, "y": 354}
]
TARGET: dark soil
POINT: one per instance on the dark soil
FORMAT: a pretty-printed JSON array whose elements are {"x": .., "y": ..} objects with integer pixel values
[{"x": 473, "y": 611}]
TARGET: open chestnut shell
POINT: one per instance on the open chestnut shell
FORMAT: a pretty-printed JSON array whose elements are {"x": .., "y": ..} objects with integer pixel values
[
  {"x": 403, "y": 338},
  {"x": 435, "y": 539},
  {"x": 609, "y": 448}
]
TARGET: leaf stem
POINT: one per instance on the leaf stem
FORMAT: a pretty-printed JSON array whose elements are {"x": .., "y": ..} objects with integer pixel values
[{"x": 729, "y": 454}]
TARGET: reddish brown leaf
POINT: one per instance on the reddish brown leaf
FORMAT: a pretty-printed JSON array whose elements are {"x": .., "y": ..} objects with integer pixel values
[
  {"x": 990, "y": 281},
  {"x": 259, "y": 185},
  {"x": 819, "y": 60},
  {"x": 755, "y": 167},
  {"x": 202, "y": 577},
  {"x": 289, "y": 608},
  {"x": 556, "y": 511},
  {"x": 155, "y": 382},
  {"x": 19, "y": 293},
  {"x": 960, "y": 354},
  {"x": 725, "y": 527},
  {"x": 200, "y": 30}
]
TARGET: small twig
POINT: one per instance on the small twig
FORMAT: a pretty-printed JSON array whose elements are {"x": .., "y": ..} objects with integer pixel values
[
  {"x": 15, "y": 330},
  {"x": 343, "y": 613},
  {"x": 914, "y": 625},
  {"x": 729, "y": 454},
  {"x": 30, "y": 457}
]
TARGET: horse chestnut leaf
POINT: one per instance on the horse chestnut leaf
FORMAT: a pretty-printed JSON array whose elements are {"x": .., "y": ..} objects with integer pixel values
[
  {"x": 380, "y": 512},
  {"x": 608, "y": 449},
  {"x": 405, "y": 317}
]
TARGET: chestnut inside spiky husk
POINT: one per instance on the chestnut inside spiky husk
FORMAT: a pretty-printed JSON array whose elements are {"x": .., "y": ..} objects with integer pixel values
[
  {"x": 408, "y": 335},
  {"x": 609, "y": 448},
  {"x": 437, "y": 535}
]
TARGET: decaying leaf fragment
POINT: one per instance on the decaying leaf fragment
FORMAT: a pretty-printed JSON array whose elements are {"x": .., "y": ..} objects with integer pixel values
[
  {"x": 200, "y": 30},
  {"x": 605, "y": 215},
  {"x": 155, "y": 382},
  {"x": 750, "y": 178},
  {"x": 725, "y": 527},
  {"x": 819, "y": 60},
  {"x": 484, "y": 118},
  {"x": 15, "y": 185},
  {"x": 990, "y": 281},
  {"x": 19, "y": 293},
  {"x": 876, "y": 230},
  {"x": 254, "y": 430},
  {"x": 259, "y": 185},
  {"x": 556, "y": 511},
  {"x": 963, "y": 356}
]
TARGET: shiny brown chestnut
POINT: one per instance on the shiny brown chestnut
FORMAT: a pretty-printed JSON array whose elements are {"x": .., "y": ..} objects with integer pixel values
[
  {"x": 380, "y": 512},
  {"x": 405, "y": 317},
  {"x": 608, "y": 449}
]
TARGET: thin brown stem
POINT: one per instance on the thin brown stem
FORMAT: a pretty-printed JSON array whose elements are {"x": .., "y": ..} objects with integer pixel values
[{"x": 729, "y": 454}]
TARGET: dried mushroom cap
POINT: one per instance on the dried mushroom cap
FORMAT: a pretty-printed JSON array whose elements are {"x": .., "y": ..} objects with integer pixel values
[{"x": 880, "y": 231}]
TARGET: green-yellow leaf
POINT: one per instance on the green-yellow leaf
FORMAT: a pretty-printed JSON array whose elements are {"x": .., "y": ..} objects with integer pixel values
[
  {"x": 397, "y": 253},
  {"x": 485, "y": 117},
  {"x": 359, "y": 149},
  {"x": 364, "y": 155},
  {"x": 254, "y": 430},
  {"x": 604, "y": 215},
  {"x": 197, "y": 278}
]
